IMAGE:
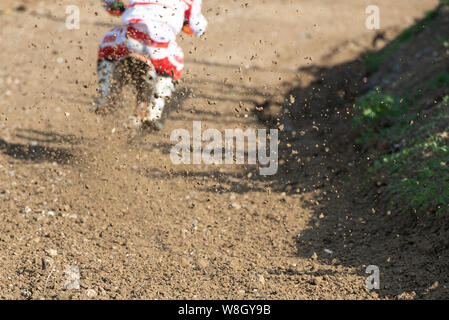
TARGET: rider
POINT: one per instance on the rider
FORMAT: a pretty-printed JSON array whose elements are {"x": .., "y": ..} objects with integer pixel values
[{"x": 151, "y": 30}]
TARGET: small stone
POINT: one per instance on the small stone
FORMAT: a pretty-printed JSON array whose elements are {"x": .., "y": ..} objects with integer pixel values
[
  {"x": 91, "y": 293},
  {"x": 234, "y": 205},
  {"x": 52, "y": 252},
  {"x": 434, "y": 285},
  {"x": 292, "y": 99},
  {"x": 261, "y": 279},
  {"x": 25, "y": 293},
  {"x": 317, "y": 280},
  {"x": 45, "y": 264}
]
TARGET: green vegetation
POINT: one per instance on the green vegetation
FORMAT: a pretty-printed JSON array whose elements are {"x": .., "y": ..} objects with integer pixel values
[
  {"x": 414, "y": 154},
  {"x": 378, "y": 113},
  {"x": 445, "y": 101},
  {"x": 418, "y": 171}
]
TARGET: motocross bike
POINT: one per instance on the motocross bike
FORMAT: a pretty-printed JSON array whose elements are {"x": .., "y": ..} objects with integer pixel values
[{"x": 118, "y": 67}]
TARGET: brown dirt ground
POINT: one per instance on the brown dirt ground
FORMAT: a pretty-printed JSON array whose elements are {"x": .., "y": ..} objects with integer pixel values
[{"x": 72, "y": 193}]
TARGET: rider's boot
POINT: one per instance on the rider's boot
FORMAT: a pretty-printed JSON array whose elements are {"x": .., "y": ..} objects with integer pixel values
[
  {"x": 152, "y": 114},
  {"x": 105, "y": 69}
]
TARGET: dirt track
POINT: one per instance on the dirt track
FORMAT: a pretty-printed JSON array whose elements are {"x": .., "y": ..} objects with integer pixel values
[{"x": 73, "y": 193}]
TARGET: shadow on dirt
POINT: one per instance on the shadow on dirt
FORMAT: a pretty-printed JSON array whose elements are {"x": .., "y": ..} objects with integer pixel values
[
  {"x": 350, "y": 225},
  {"x": 38, "y": 150},
  {"x": 46, "y": 136},
  {"x": 35, "y": 153},
  {"x": 319, "y": 161},
  {"x": 223, "y": 182}
]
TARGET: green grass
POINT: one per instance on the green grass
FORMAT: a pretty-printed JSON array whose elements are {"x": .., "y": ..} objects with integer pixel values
[
  {"x": 416, "y": 165},
  {"x": 376, "y": 113},
  {"x": 445, "y": 102},
  {"x": 419, "y": 172}
]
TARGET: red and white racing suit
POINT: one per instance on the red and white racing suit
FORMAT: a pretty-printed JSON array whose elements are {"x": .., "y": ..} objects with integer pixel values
[{"x": 150, "y": 28}]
